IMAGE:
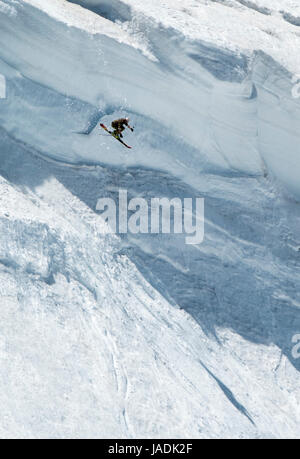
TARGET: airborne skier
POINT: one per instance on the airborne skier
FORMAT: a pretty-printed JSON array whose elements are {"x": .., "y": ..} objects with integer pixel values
[{"x": 119, "y": 126}]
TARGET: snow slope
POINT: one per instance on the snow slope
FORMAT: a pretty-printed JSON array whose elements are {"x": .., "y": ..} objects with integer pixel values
[{"x": 144, "y": 336}]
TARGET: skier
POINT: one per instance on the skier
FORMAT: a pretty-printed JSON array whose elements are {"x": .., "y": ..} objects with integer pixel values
[{"x": 119, "y": 126}]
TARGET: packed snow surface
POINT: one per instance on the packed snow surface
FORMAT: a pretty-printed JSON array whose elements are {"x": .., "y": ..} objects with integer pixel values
[{"x": 140, "y": 335}]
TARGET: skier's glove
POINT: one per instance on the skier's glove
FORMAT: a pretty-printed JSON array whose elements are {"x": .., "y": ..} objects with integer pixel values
[{"x": 132, "y": 129}]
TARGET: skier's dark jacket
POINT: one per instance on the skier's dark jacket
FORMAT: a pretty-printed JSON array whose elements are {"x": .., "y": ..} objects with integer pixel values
[{"x": 119, "y": 125}]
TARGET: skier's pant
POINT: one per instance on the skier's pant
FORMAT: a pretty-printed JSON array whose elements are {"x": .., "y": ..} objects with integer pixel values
[{"x": 118, "y": 129}]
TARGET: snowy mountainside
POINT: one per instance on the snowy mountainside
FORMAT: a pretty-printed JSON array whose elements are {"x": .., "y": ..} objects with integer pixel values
[{"x": 142, "y": 335}]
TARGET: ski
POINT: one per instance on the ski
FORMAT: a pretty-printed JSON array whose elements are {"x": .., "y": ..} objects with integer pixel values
[{"x": 121, "y": 141}]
